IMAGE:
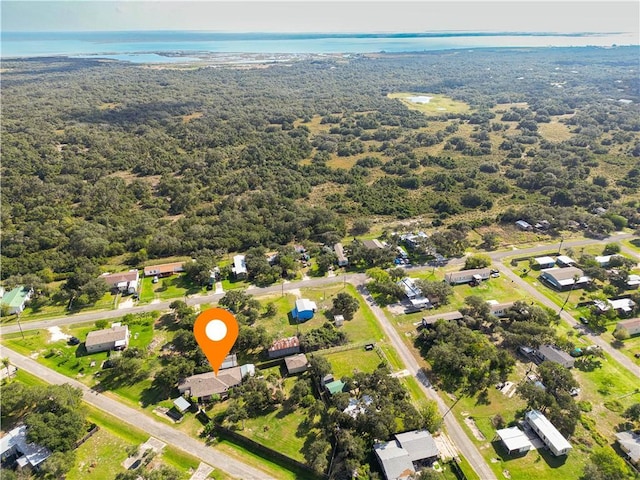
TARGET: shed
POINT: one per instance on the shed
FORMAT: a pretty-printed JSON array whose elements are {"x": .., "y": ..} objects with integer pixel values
[
  {"x": 465, "y": 276},
  {"x": 514, "y": 440},
  {"x": 372, "y": 244},
  {"x": 182, "y": 404},
  {"x": 304, "y": 309},
  {"x": 544, "y": 262},
  {"x": 334, "y": 387},
  {"x": 522, "y": 225},
  {"x": 338, "y": 320}
]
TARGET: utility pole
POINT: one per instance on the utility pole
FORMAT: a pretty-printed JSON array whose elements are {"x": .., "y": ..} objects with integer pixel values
[
  {"x": 560, "y": 247},
  {"x": 20, "y": 326}
]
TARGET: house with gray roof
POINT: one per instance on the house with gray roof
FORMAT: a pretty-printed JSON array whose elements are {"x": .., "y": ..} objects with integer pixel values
[
  {"x": 630, "y": 444},
  {"x": 114, "y": 338},
  {"x": 343, "y": 260},
  {"x": 564, "y": 278},
  {"x": 553, "y": 354},
  {"x": 402, "y": 457},
  {"x": 204, "y": 385},
  {"x": 632, "y": 326}
]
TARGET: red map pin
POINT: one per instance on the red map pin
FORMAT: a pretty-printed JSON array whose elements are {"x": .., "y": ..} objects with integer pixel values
[{"x": 216, "y": 331}]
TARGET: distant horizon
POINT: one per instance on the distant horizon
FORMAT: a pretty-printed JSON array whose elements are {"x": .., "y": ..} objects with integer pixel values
[
  {"x": 334, "y": 34},
  {"x": 321, "y": 16}
]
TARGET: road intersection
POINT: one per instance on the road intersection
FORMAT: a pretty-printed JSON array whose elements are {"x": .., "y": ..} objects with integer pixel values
[{"x": 236, "y": 468}]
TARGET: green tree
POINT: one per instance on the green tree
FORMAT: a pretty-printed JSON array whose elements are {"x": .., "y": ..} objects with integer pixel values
[
  {"x": 345, "y": 304},
  {"x": 101, "y": 324},
  {"x": 477, "y": 261},
  {"x": 437, "y": 292},
  {"x": 605, "y": 464},
  {"x": 58, "y": 464}
]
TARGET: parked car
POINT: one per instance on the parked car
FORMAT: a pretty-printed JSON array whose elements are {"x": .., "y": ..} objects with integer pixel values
[
  {"x": 73, "y": 341},
  {"x": 584, "y": 320}
]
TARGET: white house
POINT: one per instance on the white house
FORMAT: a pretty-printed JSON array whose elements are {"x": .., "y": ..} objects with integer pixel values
[
  {"x": 239, "y": 268},
  {"x": 14, "y": 446},
  {"x": 16, "y": 299},
  {"x": 343, "y": 260},
  {"x": 545, "y": 262},
  {"x": 549, "y": 434}
]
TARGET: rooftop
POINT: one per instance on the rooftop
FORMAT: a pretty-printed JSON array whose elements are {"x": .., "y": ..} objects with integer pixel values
[
  {"x": 419, "y": 444},
  {"x": 115, "y": 278},
  {"x": 17, "y": 438},
  {"x": 164, "y": 268},
  {"x": 394, "y": 459},
  {"x": 304, "y": 304},
  {"x": 113, "y": 334},
  {"x": 545, "y": 260},
  {"x": 296, "y": 361},
  {"x": 631, "y": 324},
  {"x": 630, "y": 442},
  {"x": 552, "y": 434},
  {"x": 514, "y": 438},
  {"x": 285, "y": 343},
  {"x": 16, "y": 297}
]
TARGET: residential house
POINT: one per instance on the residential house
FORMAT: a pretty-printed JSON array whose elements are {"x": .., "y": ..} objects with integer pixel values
[
  {"x": 514, "y": 440},
  {"x": 630, "y": 444},
  {"x": 124, "y": 282},
  {"x": 343, "y": 260},
  {"x": 466, "y": 276},
  {"x": 522, "y": 225},
  {"x": 413, "y": 240},
  {"x": 544, "y": 262},
  {"x": 303, "y": 310},
  {"x": 239, "y": 268},
  {"x": 14, "y": 447},
  {"x": 553, "y": 354},
  {"x": 164, "y": 270},
  {"x": 296, "y": 363},
  {"x": 414, "y": 294},
  {"x": 623, "y": 306},
  {"x": 633, "y": 280},
  {"x": 374, "y": 244},
  {"x": 204, "y": 385},
  {"x": 284, "y": 347},
  {"x": 632, "y": 326},
  {"x": 564, "y": 261},
  {"x": 565, "y": 278},
  {"x": 604, "y": 260},
  {"x": 15, "y": 301},
  {"x": 499, "y": 309},
  {"x": 114, "y": 338},
  {"x": 552, "y": 438},
  {"x": 402, "y": 457}
]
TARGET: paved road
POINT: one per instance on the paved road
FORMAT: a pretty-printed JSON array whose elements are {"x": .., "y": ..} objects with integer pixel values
[
  {"x": 163, "y": 432},
  {"x": 354, "y": 278},
  {"x": 622, "y": 359},
  {"x": 454, "y": 430}
]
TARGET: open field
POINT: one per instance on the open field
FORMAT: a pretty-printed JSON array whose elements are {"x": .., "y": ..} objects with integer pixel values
[
  {"x": 347, "y": 362},
  {"x": 438, "y": 104}
]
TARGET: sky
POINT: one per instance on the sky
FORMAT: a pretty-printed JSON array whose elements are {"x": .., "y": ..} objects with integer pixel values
[{"x": 323, "y": 16}]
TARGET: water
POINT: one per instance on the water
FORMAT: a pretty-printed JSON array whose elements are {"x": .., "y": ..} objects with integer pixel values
[{"x": 137, "y": 46}]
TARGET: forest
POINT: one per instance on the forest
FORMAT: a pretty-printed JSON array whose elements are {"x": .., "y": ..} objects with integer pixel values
[{"x": 108, "y": 160}]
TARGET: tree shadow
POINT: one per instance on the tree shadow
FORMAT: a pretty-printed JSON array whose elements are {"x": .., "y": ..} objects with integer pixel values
[{"x": 483, "y": 398}]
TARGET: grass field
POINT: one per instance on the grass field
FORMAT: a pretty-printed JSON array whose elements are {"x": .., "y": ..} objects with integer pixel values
[
  {"x": 348, "y": 362},
  {"x": 437, "y": 105}
]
